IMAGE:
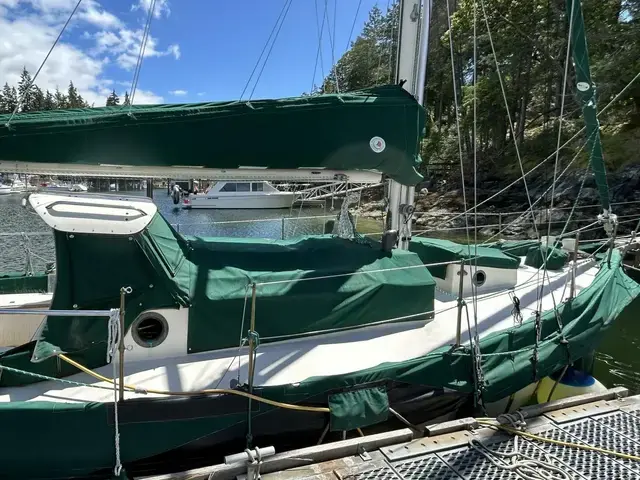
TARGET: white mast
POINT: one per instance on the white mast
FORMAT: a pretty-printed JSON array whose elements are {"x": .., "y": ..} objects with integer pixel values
[{"x": 412, "y": 63}]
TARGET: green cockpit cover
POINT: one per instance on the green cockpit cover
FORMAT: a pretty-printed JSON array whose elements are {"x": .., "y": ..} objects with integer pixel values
[
  {"x": 433, "y": 250},
  {"x": 555, "y": 257},
  {"x": 373, "y": 129},
  {"x": 304, "y": 286}
]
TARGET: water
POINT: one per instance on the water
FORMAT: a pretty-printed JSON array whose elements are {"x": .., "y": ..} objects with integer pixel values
[
  {"x": 275, "y": 224},
  {"x": 617, "y": 361}
]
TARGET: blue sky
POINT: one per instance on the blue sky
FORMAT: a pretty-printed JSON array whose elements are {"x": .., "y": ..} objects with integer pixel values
[{"x": 199, "y": 49}]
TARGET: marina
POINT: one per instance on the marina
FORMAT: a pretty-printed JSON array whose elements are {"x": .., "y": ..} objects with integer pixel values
[
  {"x": 592, "y": 436},
  {"x": 175, "y": 305}
]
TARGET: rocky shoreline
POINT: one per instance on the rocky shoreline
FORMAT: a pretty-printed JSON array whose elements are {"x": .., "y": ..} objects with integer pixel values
[{"x": 439, "y": 205}]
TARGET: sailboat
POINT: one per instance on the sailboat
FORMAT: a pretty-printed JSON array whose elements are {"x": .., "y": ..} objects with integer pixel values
[{"x": 160, "y": 346}]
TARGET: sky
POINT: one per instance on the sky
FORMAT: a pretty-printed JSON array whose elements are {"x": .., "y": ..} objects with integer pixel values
[{"x": 198, "y": 50}]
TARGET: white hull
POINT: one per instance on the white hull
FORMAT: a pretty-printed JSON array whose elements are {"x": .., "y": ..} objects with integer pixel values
[
  {"x": 5, "y": 190},
  {"x": 170, "y": 367},
  {"x": 20, "y": 329},
  {"x": 240, "y": 202}
]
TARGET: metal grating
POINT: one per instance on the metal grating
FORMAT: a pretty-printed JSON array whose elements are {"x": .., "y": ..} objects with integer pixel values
[
  {"x": 595, "y": 433},
  {"x": 428, "y": 467},
  {"x": 624, "y": 423},
  {"x": 588, "y": 464},
  {"x": 472, "y": 465},
  {"x": 384, "y": 473}
]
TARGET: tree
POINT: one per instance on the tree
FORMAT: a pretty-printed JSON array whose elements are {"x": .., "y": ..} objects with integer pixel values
[
  {"x": 37, "y": 99},
  {"x": 113, "y": 99},
  {"x": 74, "y": 99},
  {"x": 49, "y": 101},
  {"x": 25, "y": 91},
  {"x": 127, "y": 100},
  {"x": 9, "y": 98},
  {"x": 61, "y": 101}
]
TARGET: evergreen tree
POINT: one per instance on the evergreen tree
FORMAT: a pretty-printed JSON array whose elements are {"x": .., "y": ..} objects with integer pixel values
[
  {"x": 25, "y": 91},
  {"x": 60, "y": 99},
  {"x": 74, "y": 100},
  {"x": 127, "y": 101},
  {"x": 113, "y": 99},
  {"x": 49, "y": 101},
  {"x": 38, "y": 99},
  {"x": 9, "y": 98}
]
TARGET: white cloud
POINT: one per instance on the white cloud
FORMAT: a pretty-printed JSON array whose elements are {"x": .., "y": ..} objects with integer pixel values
[
  {"x": 146, "y": 97},
  {"x": 124, "y": 44},
  {"x": 28, "y": 35},
  {"x": 178, "y": 93},
  {"x": 200, "y": 94},
  {"x": 161, "y": 7}
]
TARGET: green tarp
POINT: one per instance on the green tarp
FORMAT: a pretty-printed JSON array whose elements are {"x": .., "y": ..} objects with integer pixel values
[
  {"x": 308, "y": 285},
  {"x": 21, "y": 283},
  {"x": 554, "y": 257},
  {"x": 34, "y": 448},
  {"x": 358, "y": 408},
  {"x": 433, "y": 250},
  {"x": 378, "y": 128},
  {"x": 519, "y": 248}
]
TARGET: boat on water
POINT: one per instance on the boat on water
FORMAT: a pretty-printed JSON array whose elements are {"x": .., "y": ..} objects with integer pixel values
[
  {"x": 161, "y": 349},
  {"x": 240, "y": 195},
  {"x": 78, "y": 188},
  {"x": 5, "y": 189}
]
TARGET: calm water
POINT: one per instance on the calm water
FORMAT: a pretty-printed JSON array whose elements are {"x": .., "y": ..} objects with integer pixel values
[{"x": 617, "y": 361}]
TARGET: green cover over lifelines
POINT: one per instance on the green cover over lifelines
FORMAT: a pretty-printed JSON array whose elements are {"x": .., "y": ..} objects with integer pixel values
[
  {"x": 378, "y": 128},
  {"x": 33, "y": 448}
]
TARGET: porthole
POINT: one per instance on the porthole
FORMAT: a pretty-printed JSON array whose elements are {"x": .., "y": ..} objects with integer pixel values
[
  {"x": 149, "y": 330},
  {"x": 479, "y": 278}
]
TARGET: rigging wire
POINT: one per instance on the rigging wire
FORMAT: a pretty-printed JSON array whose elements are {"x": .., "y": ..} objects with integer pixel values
[
  {"x": 143, "y": 46},
  {"x": 320, "y": 29},
  {"x": 264, "y": 48},
  {"x": 270, "y": 49},
  {"x": 64, "y": 27},
  {"x": 353, "y": 25},
  {"x": 332, "y": 41}
]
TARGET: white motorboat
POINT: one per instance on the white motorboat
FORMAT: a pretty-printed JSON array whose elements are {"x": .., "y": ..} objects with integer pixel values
[
  {"x": 240, "y": 195},
  {"x": 78, "y": 188},
  {"x": 5, "y": 189}
]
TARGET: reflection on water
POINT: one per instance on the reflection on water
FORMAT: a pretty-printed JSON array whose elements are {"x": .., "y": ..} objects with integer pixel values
[{"x": 618, "y": 359}]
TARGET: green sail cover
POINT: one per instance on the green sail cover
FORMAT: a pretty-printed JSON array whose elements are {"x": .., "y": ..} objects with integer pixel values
[
  {"x": 322, "y": 131},
  {"x": 555, "y": 258},
  {"x": 433, "y": 250},
  {"x": 212, "y": 277},
  {"x": 586, "y": 92},
  {"x": 32, "y": 447}
]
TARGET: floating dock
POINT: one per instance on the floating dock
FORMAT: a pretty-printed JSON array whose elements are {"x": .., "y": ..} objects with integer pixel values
[{"x": 606, "y": 426}]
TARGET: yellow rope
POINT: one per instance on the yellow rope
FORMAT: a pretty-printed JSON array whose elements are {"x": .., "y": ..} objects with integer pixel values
[
  {"x": 558, "y": 442},
  {"x": 211, "y": 391}
]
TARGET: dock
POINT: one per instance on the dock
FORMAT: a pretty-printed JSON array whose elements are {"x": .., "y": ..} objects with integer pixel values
[{"x": 592, "y": 436}]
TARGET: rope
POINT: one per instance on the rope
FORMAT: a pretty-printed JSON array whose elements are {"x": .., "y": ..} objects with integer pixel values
[
  {"x": 113, "y": 334},
  {"x": 266, "y": 59},
  {"x": 522, "y": 465},
  {"x": 320, "y": 30},
  {"x": 143, "y": 46},
  {"x": 213, "y": 391},
  {"x": 491, "y": 423}
]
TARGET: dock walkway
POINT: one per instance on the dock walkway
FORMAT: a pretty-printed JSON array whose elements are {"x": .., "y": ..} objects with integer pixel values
[{"x": 470, "y": 449}]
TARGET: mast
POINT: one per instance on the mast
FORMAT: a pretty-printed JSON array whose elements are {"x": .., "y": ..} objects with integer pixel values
[
  {"x": 413, "y": 48},
  {"x": 586, "y": 92}
]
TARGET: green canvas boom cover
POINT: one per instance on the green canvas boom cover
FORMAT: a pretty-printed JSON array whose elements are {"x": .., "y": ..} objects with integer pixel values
[{"x": 320, "y": 131}]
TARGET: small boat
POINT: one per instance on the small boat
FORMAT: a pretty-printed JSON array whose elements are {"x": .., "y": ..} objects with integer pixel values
[
  {"x": 78, "y": 188},
  {"x": 240, "y": 195},
  {"x": 5, "y": 189}
]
